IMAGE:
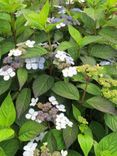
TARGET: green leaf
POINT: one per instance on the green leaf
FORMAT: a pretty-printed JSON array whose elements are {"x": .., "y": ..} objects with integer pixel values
[
  {"x": 97, "y": 130},
  {"x": 107, "y": 145},
  {"x": 89, "y": 39},
  {"x": 5, "y": 27},
  {"x": 102, "y": 51},
  {"x": 86, "y": 143},
  {"x": 22, "y": 75},
  {"x": 55, "y": 140},
  {"x": 34, "y": 52},
  {"x": 10, "y": 146},
  {"x": 29, "y": 130},
  {"x": 43, "y": 14},
  {"x": 32, "y": 19},
  {"x": 109, "y": 33},
  {"x": 66, "y": 89},
  {"x": 76, "y": 112},
  {"x": 91, "y": 88},
  {"x": 111, "y": 121},
  {"x": 73, "y": 153},
  {"x": 42, "y": 84},
  {"x": 88, "y": 60},
  {"x": 102, "y": 104},
  {"x": 2, "y": 153},
  {"x": 4, "y": 85},
  {"x": 75, "y": 34},
  {"x": 5, "y": 47},
  {"x": 6, "y": 133},
  {"x": 5, "y": 16},
  {"x": 64, "y": 45},
  {"x": 70, "y": 135},
  {"x": 23, "y": 101},
  {"x": 7, "y": 112}
]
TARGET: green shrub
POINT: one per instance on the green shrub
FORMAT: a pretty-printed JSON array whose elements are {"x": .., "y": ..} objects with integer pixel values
[{"x": 58, "y": 78}]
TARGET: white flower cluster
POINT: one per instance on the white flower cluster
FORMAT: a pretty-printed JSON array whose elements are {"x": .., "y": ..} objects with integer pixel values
[
  {"x": 29, "y": 43},
  {"x": 62, "y": 122},
  {"x": 35, "y": 63},
  {"x": 7, "y": 73},
  {"x": 64, "y": 153},
  {"x": 29, "y": 149},
  {"x": 64, "y": 57},
  {"x": 34, "y": 101},
  {"x": 54, "y": 102},
  {"x": 32, "y": 114},
  {"x": 60, "y": 25},
  {"x": 69, "y": 71},
  {"x": 69, "y": 2},
  {"x": 15, "y": 52}
]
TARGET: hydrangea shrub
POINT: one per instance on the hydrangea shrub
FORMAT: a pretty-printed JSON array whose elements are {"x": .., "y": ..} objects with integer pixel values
[{"x": 58, "y": 78}]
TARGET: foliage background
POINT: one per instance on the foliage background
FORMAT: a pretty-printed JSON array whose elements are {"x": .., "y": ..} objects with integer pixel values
[{"x": 90, "y": 96}]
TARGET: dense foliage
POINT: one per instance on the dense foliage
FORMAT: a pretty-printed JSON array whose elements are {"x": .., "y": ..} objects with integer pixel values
[{"x": 58, "y": 78}]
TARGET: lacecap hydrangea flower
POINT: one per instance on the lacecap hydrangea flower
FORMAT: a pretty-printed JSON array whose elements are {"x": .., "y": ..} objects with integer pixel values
[
  {"x": 35, "y": 63},
  {"x": 7, "y": 72},
  {"x": 69, "y": 71},
  {"x": 29, "y": 43},
  {"x": 29, "y": 149},
  {"x": 15, "y": 52}
]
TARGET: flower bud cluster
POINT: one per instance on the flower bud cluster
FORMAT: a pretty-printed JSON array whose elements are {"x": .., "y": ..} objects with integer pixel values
[
  {"x": 50, "y": 111},
  {"x": 110, "y": 94},
  {"x": 107, "y": 82},
  {"x": 91, "y": 71}
]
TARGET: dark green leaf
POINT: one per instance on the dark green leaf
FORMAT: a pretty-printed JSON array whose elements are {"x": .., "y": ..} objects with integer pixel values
[
  {"x": 42, "y": 84},
  {"x": 66, "y": 89},
  {"x": 111, "y": 121},
  {"x": 29, "y": 130},
  {"x": 70, "y": 135},
  {"x": 7, "y": 112},
  {"x": 23, "y": 101},
  {"x": 102, "y": 104}
]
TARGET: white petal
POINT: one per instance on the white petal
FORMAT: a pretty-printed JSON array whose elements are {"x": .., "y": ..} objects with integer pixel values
[
  {"x": 6, "y": 78},
  {"x": 28, "y": 116}
]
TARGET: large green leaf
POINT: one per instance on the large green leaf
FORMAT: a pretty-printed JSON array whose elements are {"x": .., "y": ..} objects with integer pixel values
[
  {"x": 35, "y": 52},
  {"x": 43, "y": 14},
  {"x": 110, "y": 34},
  {"x": 111, "y": 121},
  {"x": 107, "y": 145},
  {"x": 22, "y": 75},
  {"x": 65, "y": 45},
  {"x": 42, "y": 84},
  {"x": 70, "y": 135},
  {"x": 102, "y": 51},
  {"x": 4, "y": 85},
  {"x": 23, "y": 101},
  {"x": 6, "y": 133},
  {"x": 91, "y": 88},
  {"x": 66, "y": 89},
  {"x": 55, "y": 140},
  {"x": 89, "y": 39},
  {"x": 75, "y": 34},
  {"x": 86, "y": 143},
  {"x": 29, "y": 130},
  {"x": 2, "y": 153},
  {"x": 102, "y": 104},
  {"x": 10, "y": 147},
  {"x": 7, "y": 112}
]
